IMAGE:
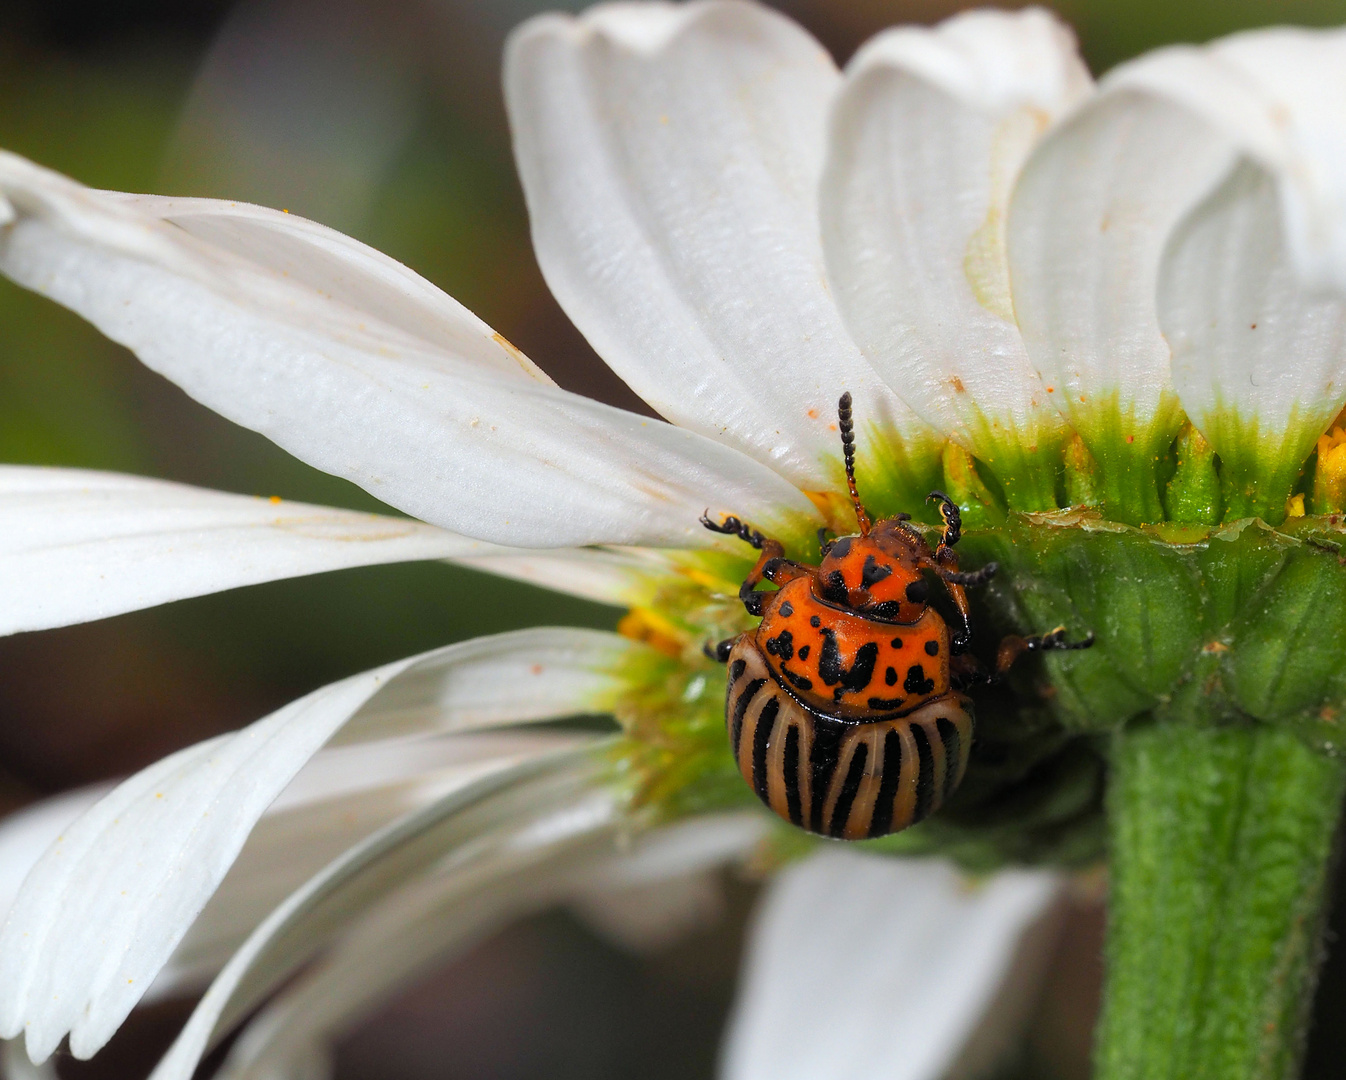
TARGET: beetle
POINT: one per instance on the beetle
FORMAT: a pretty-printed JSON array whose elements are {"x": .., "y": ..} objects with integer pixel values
[{"x": 845, "y": 707}]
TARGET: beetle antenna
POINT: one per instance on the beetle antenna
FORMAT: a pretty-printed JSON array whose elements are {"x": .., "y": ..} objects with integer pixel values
[{"x": 847, "y": 425}]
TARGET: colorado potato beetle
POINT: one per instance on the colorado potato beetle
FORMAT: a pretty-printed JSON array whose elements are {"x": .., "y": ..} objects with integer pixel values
[{"x": 845, "y": 706}]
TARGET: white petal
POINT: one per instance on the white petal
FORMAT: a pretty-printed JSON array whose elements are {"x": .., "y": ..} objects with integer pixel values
[
  {"x": 511, "y": 678},
  {"x": 338, "y": 355},
  {"x": 422, "y": 926},
  {"x": 78, "y": 545},
  {"x": 1088, "y": 220},
  {"x": 1278, "y": 97},
  {"x": 925, "y": 142},
  {"x": 340, "y": 798},
  {"x": 532, "y": 808},
  {"x": 1259, "y": 361},
  {"x": 101, "y": 912},
  {"x": 861, "y": 967},
  {"x": 27, "y": 833},
  {"x": 624, "y": 577},
  {"x": 670, "y": 157},
  {"x": 1251, "y": 288}
]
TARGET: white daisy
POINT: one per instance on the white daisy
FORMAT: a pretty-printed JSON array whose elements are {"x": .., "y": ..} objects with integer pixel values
[{"x": 1041, "y": 294}]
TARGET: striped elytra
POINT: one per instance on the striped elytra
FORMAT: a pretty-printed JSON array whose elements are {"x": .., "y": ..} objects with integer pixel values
[{"x": 844, "y": 778}]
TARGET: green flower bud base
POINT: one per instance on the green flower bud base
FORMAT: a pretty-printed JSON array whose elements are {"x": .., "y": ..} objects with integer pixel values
[{"x": 1221, "y": 841}]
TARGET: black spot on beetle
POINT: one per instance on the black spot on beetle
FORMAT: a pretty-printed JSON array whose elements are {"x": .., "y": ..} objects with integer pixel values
[
  {"x": 932, "y": 647},
  {"x": 815, "y": 622},
  {"x": 804, "y": 652},
  {"x": 883, "y": 704},
  {"x": 888, "y": 610},
  {"x": 873, "y": 573},
  {"x": 782, "y": 645},
  {"x": 896, "y": 643},
  {"x": 801, "y": 682},
  {"x": 841, "y": 548},
  {"x": 857, "y": 676},
  {"x": 890, "y": 677},
  {"x": 916, "y": 682},
  {"x": 787, "y": 609},
  {"x": 834, "y": 589},
  {"x": 918, "y": 592}
]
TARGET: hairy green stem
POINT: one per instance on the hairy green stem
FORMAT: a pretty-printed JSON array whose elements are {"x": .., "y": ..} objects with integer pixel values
[{"x": 1222, "y": 840}]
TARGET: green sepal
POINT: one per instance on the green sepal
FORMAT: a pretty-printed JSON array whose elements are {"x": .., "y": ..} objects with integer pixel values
[
  {"x": 1193, "y": 494},
  {"x": 1083, "y": 481},
  {"x": 981, "y": 507}
]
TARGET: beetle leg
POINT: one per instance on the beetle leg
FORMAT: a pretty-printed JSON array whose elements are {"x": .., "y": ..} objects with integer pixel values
[
  {"x": 771, "y": 564},
  {"x": 732, "y": 526},
  {"x": 1012, "y": 646},
  {"x": 966, "y": 670},
  {"x": 953, "y": 522},
  {"x": 969, "y": 578}
]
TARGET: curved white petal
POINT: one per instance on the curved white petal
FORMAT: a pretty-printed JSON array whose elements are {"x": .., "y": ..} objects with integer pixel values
[
  {"x": 331, "y": 351},
  {"x": 1259, "y": 361},
  {"x": 1252, "y": 286},
  {"x": 863, "y": 966},
  {"x": 342, "y": 796},
  {"x": 440, "y": 916},
  {"x": 532, "y": 808},
  {"x": 1088, "y": 220},
  {"x": 77, "y": 545},
  {"x": 101, "y": 912},
  {"x": 670, "y": 156},
  {"x": 29, "y": 831},
  {"x": 926, "y": 139}
]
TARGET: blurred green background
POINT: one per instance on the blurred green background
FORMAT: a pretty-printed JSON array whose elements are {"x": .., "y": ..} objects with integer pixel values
[{"x": 382, "y": 118}]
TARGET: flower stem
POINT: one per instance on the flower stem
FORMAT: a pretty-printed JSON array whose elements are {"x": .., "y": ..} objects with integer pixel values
[{"x": 1222, "y": 840}]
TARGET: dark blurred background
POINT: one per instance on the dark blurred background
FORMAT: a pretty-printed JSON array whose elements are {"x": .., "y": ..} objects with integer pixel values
[{"x": 382, "y": 118}]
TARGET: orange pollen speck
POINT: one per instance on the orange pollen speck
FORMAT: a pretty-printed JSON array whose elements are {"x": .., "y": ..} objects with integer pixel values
[
  {"x": 958, "y": 384},
  {"x": 813, "y": 414},
  {"x": 536, "y": 669},
  {"x": 1051, "y": 389},
  {"x": 275, "y": 500},
  {"x": 1130, "y": 438}
]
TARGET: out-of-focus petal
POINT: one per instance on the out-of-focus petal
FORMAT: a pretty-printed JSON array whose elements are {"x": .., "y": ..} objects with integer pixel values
[
  {"x": 357, "y": 366},
  {"x": 341, "y": 797},
  {"x": 670, "y": 156},
  {"x": 438, "y": 917},
  {"x": 861, "y": 967},
  {"x": 497, "y": 829},
  {"x": 28, "y": 832},
  {"x": 926, "y": 140},
  {"x": 100, "y": 914}
]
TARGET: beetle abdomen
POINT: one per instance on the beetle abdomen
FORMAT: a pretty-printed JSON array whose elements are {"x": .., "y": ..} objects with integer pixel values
[{"x": 842, "y": 778}]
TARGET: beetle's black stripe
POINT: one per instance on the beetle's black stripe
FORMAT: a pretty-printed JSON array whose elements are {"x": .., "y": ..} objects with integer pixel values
[
  {"x": 925, "y": 779},
  {"x": 792, "y": 775},
  {"x": 880, "y": 824},
  {"x": 849, "y": 788},
  {"x": 761, "y": 737},
  {"x": 953, "y": 745},
  {"x": 823, "y": 759},
  {"x": 740, "y": 709}
]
